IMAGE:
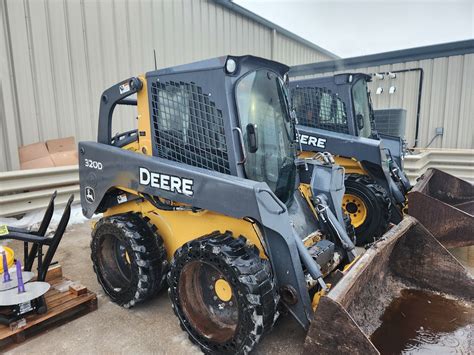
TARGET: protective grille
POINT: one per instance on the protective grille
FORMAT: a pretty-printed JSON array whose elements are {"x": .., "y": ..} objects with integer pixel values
[
  {"x": 188, "y": 127},
  {"x": 319, "y": 108}
]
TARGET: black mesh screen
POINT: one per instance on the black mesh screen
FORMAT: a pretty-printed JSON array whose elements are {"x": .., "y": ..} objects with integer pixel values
[
  {"x": 319, "y": 108},
  {"x": 188, "y": 127}
]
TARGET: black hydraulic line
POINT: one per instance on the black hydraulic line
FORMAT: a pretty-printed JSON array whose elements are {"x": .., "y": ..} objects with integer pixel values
[
  {"x": 327, "y": 216},
  {"x": 165, "y": 207},
  {"x": 346, "y": 241},
  {"x": 311, "y": 265},
  {"x": 158, "y": 204}
]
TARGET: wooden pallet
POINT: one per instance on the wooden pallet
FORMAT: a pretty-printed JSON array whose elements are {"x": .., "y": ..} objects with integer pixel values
[{"x": 69, "y": 302}]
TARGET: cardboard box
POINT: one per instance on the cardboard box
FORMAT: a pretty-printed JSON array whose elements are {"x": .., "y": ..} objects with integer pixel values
[
  {"x": 64, "y": 158},
  {"x": 61, "y": 145},
  {"x": 32, "y": 151},
  {"x": 44, "y": 162},
  {"x": 55, "y": 152},
  {"x": 34, "y": 156}
]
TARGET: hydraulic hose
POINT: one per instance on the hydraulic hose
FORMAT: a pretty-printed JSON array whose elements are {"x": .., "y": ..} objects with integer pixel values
[
  {"x": 311, "y": 265},
  {"x": 328, "y": 216}
]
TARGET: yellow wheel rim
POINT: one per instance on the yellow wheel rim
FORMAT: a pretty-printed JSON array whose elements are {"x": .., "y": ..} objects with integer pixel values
[
  {"x": 223, "y": 290},
  {"x": 127, "y": 258},
  {"x": 10, "y": 257},
  {"x": 356, "y": 208}
]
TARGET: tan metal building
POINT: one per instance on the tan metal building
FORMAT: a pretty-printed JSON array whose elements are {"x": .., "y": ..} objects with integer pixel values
[
  {"x": 56, "y": 57},
  {"x": 433, "y": 83}
]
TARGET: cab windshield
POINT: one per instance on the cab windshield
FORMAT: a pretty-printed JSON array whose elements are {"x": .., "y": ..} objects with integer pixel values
[
  {"x": 362, "y": 113},
  {"x": 267, "y": 130}
]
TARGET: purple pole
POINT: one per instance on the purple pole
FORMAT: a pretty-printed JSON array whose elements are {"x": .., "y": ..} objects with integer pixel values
[
  {"x": 21, "y": 285},
  {"x": 6, "y": 274}
]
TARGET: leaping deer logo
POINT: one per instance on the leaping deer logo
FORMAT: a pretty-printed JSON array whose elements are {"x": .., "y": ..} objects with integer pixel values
[{"x": 90, "y": 195}]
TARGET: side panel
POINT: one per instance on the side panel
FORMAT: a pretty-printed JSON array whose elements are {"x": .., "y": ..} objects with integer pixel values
[
  {"x": 345, "y": 145},
  {"x": 224, "y": 194},
  {"x": 368, "y": 152},
  {"x": 394, "y": 144},
  {"x": 351, "y": 166},
  {"x": 180, "y": 227}
]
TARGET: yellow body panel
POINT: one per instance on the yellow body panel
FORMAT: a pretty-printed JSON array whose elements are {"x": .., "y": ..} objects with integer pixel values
[
  {"x": 351, "y": 166},
  {"x": 317, "y": 297},
  {"x": 133, "y": 147},
  {"x": 305, "y": 190},
  {"x": 179, "y": 227},
  {"x": 144, "y": 120}
]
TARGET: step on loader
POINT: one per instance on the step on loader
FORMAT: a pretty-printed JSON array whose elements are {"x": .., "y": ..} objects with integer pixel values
[
  {"x": 204, "y": 199},
  {"x": 335, "y": 114}
]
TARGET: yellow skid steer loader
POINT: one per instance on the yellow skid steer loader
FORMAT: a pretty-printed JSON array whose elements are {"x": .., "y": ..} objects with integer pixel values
[{"x": 204, "y": 199}]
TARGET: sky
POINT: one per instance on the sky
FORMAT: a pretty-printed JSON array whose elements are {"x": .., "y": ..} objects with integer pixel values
[{"x": 352, "y": 28}]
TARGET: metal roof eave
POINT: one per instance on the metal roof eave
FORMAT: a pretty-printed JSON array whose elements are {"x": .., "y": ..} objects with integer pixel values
[{"x": 398, "y": 56}]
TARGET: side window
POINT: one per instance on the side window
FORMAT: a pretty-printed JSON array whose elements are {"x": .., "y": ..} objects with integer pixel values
[
  {"x": 319, "y": 108},
  {"x": 361, "y": 108}
]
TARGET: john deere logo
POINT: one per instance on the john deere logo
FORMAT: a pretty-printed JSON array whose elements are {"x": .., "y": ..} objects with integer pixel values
[
  {"x": 90, "y": 194},
  {"x": 311, "y": 140},
  {"x": 166, "y": 182}
]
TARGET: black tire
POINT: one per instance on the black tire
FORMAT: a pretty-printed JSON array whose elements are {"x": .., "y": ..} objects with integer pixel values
[
  {"x": 129, "y": 258},
  {"x": 220, "y": 326},
  {"x": 377, "y": 204}
]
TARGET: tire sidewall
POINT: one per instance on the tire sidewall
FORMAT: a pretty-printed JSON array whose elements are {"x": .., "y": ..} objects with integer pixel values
[
  {"x": 373, "y": 213},
  {"x": 103, "y": 229},
  {"x": 147, "y": 255},
  {"x": 248, "y": 331},
  {"x": 377, "y": 206}
]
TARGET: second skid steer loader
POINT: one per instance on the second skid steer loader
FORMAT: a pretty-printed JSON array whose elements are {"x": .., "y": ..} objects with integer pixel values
[
  {"x": 204, "y": 198},
  {"x": 335, "y": 114}
]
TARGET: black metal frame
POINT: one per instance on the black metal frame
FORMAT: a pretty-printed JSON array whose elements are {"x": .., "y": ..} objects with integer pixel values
[{"x": 38, "y": 240}]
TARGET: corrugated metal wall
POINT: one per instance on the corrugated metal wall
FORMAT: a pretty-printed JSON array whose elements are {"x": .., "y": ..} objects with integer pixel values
[
  {"x": 447, "y": 98},
  {"x": 58, "y": 56}
]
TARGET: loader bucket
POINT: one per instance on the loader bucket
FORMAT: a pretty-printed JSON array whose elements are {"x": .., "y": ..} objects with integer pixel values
[
  {"x": 407, "y": 257},
  {"x": 444, "y": 204}
]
